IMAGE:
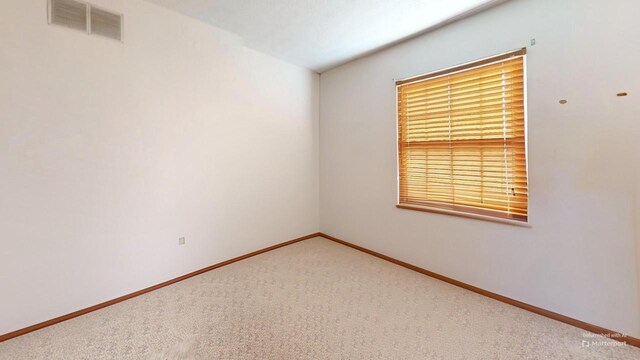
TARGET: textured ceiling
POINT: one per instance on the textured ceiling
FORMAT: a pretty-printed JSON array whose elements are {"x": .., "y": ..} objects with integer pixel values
[{"x": 321, "y": 34}]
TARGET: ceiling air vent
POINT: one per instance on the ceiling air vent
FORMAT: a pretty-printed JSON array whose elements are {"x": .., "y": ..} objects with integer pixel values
[
  {"x": 106, "y": 24},
  {"x": 86, "y": 17},
  {"x": 68, "y": 13}
]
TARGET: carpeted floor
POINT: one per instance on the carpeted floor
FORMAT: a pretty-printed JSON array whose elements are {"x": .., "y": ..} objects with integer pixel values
[{"x": 315, "y": 299}]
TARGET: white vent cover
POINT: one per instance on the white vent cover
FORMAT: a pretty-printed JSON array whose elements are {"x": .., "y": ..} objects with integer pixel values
[
  {"x": 68, "y": 13},
  {"x": 106, "y": 24},
  {"x": 86, "y": 17}
]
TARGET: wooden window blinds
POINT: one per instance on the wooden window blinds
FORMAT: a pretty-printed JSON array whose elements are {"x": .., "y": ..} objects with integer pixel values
[{"x": 461, "y": 139}]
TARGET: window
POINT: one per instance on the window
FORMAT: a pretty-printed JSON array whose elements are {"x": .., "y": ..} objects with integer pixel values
[{"x": 462, "y": 140}]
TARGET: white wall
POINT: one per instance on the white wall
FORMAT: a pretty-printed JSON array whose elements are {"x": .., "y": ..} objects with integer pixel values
[
  {"x": 109, "y": 152},
  {"x": 579, "y": 258}
]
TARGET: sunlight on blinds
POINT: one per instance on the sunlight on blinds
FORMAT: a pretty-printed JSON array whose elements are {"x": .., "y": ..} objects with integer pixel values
[{"x": 461, "y": 139}]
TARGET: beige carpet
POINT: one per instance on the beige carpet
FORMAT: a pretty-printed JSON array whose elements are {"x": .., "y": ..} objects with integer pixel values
[{"x": 312, "y": 300}]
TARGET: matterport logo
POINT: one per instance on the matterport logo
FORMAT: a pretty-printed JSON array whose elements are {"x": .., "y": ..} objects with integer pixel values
[{"x": 610, "y": 340}]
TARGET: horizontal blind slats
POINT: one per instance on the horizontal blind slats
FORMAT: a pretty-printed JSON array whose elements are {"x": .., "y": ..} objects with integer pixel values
[
  {"x": 450, "y": 88},
  {"x": 461, "y": 141}
]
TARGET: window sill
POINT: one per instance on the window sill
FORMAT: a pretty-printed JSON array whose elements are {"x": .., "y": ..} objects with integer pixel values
[{"x": 465, "y": 215}]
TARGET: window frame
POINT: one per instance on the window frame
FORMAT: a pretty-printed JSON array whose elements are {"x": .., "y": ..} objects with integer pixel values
[{"x": 457, "y": 209}]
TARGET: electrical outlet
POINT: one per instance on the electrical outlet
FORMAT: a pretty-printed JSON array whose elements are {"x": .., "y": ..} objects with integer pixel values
[{"x": 182, "y": 241}]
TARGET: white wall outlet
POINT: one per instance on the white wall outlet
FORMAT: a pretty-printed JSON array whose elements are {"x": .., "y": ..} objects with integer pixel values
[{"x": 182, "y": 241}]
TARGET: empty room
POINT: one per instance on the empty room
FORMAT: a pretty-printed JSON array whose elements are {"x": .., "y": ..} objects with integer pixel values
[{"x": 319, "y": 179}]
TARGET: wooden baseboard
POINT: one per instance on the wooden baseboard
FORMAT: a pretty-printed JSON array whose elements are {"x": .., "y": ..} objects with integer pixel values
[
  {"x": 74, "y": 314},
  {"x": 614, "y": 335}
]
